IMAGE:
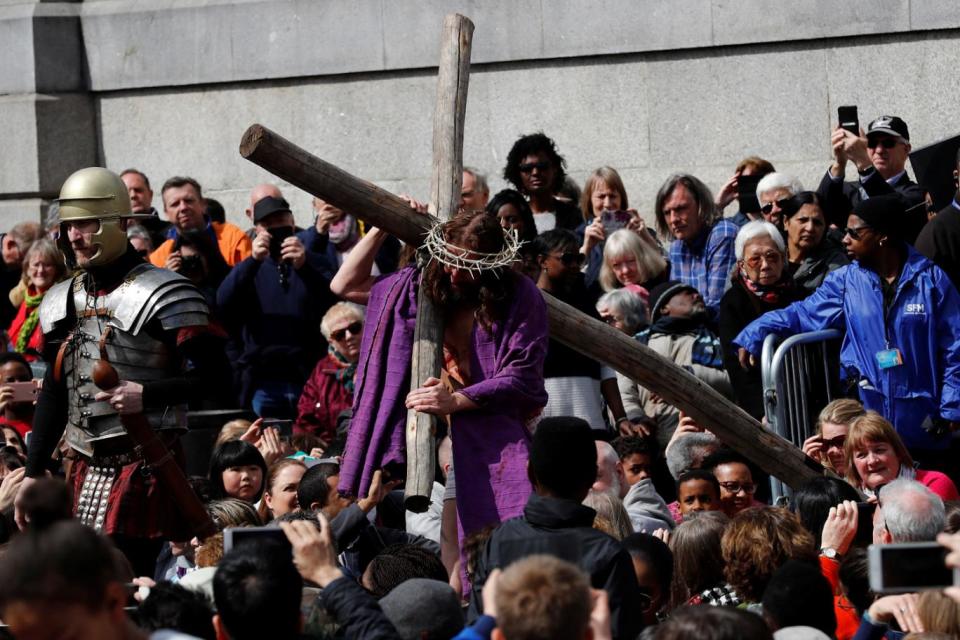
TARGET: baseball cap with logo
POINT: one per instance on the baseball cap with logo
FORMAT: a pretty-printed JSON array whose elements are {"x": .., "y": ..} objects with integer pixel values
[{"x": 891, "y": 125}]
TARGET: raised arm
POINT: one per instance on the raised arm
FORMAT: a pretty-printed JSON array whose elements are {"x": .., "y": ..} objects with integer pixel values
[{"x": 353, "y": 280}]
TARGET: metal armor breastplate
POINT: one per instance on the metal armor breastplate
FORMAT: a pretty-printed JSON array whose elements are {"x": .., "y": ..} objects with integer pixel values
[{"x": 136, "y": 355}]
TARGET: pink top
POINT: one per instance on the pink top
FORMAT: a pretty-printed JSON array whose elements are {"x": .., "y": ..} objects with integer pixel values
[{"x": 939, "y": 483}]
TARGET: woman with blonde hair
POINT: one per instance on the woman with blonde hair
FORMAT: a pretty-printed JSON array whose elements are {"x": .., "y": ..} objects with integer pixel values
[
  {"x": 43, "y": 267},
  {"x": 633, "y": 261},
  {"x": 833, "y": 425},
  {"x": 876, "y": 456},
  {"x": 604, "y": 191}
]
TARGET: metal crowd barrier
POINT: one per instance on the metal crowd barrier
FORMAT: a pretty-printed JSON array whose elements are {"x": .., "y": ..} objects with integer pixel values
[{"x": 798, "y": 381}]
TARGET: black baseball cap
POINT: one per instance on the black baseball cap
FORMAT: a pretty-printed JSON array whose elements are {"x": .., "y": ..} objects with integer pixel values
[
  {"x": 934, "y": 165},
  {"x": 269, "y": 205},
  {"x": 890, "y": 125},
  {"x": 661, "y": 294}
]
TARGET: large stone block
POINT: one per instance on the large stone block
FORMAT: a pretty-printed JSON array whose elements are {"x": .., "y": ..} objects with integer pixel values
[
  {"x": 22, "y": 210},
  {"x": 934, "y": 14},
  {"x": 589, "y": 27},
  {"x": 713, "y": 110},
  {"x": 745, "y": 21},
  {"x": 48, "y": 137},
  {"x": 41, "y": 48}
]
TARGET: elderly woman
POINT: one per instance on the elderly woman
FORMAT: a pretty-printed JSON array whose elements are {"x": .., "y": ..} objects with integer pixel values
[
  {"x": 811, "y": 254},
  {"x": 329, "y": 390},
  {"x": 632, "y": 261},
  {"x": 877, "y": 456},
  {"x": 833, "y": 425},
  {"x": 759, "y": 284},
  {"x": 773, "y": 190},
  {"x": 623, "y": 311},
  {"x": 43, "y": 267}
]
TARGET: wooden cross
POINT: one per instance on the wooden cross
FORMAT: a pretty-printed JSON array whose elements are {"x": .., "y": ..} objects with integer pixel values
[{"x": 589, "y": 336}]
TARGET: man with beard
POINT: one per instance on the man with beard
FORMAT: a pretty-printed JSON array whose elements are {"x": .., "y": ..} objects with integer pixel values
[
  {"x": 145, "y": 322},
  {"x": 495, "y": 341},
  {"x": 680, "y": 333},
  {"x": 576, "y": 384}
]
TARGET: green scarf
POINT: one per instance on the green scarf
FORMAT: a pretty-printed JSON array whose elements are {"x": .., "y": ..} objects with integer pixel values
[{"x": 30, "y": 323}]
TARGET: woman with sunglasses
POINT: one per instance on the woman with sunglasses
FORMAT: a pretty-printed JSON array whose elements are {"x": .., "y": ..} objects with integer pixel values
[
  {"x": 537, "y": 171},
  {"x": 811, "y": 253},
  {"x": 898, "y": 311},
  {"x": 575, "y": 384},
  {"x": 760, "y": 283},
  {"x": 329, "y": 390}
]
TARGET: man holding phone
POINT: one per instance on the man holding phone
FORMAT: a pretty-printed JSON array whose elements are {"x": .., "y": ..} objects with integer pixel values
[
  {"x": 880, "y": 158},
  {"x": 272, "y": 303}
]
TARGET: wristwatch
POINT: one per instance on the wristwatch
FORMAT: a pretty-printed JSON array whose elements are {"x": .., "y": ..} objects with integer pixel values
[{"x": 830, "y": 552}]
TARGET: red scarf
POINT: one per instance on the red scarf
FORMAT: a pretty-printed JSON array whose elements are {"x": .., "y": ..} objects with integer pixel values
[{"x": 769, "y": 294}]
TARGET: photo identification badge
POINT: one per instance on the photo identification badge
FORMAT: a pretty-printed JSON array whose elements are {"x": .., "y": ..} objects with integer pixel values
[{"x": 889, "y": 358}]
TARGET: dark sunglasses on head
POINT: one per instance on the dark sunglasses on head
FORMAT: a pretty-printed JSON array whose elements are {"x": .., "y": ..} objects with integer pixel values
[
  {"x": 527, "y": 167},
  {"x": 781, "y": 204},
  {"x": 354, "y": 328},
  {"x": 886, "y": 143},
  {"x": 855, "y": 232}
]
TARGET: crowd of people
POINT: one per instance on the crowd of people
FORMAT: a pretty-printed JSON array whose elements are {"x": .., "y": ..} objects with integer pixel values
[{"x": 569, "y": 500}]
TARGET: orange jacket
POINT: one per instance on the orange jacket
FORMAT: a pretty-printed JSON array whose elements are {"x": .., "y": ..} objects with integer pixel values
[{"x": 235, "y": 246}]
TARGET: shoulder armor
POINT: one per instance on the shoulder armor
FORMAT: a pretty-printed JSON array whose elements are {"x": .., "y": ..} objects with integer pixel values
[
  {"x": 55, "y": 303},
  {"x": 151, "y": 292}
]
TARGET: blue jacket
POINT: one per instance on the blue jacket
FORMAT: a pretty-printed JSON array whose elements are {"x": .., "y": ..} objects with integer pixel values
[{"x": 923, "y": 323}]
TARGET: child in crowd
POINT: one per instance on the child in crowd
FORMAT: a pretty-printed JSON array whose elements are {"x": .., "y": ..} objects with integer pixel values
[{"x": 697, "y": 490}]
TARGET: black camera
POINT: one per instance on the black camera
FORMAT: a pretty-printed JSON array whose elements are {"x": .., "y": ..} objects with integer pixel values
[{"x": 277, "y": 236}]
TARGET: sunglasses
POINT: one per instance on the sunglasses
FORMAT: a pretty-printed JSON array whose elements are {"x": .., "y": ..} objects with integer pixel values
[
  {"x": 528, "y": 167},
  {"x": 781, "y": 204},
  {"x": 855, "y": 232},
  {"x": 570, "y": 258},
  {"x": 770, "y": 258},
  {"x": 886, "y": 143},
  {"x": 735, "y": 487},
  {"x": 354, "y": 328}
]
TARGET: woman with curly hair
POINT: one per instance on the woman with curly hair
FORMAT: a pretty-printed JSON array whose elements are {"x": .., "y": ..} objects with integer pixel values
[
  {"x": 757, "y": 542},
  {"x": 537, "y": 171}
]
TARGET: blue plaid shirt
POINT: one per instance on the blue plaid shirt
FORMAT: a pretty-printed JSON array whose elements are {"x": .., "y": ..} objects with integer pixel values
[{"x": 706, "y": 262}]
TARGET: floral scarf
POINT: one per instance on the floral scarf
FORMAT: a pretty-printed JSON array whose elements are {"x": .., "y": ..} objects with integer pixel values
[
  {"x": 344, "y": 374},
  {"x": 30, "y": 323},
  {"x": 769, "y": 294}
]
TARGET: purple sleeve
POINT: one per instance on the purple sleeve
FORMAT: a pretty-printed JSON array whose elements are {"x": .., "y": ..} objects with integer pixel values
[{"x": 520, "y": 352}]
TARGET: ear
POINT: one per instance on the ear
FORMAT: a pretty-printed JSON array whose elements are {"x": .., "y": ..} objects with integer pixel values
[
  {"x": 885, "y": 536},
  {"x": 496, "y": 634},
  {"x": 267, "y": 500},
  {"x": 315, "y": 505}
]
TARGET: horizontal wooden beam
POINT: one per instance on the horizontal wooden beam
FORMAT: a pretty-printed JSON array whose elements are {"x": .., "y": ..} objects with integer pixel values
[{"x": 589, "y": 336}]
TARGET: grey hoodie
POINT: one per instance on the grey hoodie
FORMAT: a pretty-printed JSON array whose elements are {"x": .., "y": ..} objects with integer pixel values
[{"x": 647, "y": 510}]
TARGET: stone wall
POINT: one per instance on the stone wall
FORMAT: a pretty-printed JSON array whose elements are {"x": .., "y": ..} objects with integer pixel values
[{"x": 647, "y": 86}]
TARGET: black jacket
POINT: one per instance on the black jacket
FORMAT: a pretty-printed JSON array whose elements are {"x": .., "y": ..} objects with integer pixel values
[
  {"x": 564, "y": 528},
  {"x": 940, "y": 240},
  {"x": 738, "y": 308},
  {"x": 839, "y": 199}
]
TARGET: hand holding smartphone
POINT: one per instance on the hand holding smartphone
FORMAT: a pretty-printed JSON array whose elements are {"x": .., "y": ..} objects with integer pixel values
[
  {"x": 910, "y": 566},
  {"x": 23, "y": 391}
]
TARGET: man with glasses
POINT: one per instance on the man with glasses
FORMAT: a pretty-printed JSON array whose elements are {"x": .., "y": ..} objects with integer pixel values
[{"x": 880, "y": 158}]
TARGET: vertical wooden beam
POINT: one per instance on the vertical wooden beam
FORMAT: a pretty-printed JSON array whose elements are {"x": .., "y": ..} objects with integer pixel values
[{"x": 448, "y": 119}]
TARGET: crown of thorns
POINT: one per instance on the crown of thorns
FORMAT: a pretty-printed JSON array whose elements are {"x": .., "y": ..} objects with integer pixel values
[{"x": 441, "y": 251}]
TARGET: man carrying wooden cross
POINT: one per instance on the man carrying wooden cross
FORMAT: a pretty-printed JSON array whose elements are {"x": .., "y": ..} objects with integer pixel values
[{"x": 494, "y": 345}]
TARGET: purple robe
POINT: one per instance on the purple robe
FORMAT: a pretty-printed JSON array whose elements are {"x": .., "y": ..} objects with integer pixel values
[{"x": 490, "y": 444}]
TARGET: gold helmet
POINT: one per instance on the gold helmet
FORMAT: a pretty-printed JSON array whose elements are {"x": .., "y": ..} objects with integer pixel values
[{"x": 95, "y": 193}]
